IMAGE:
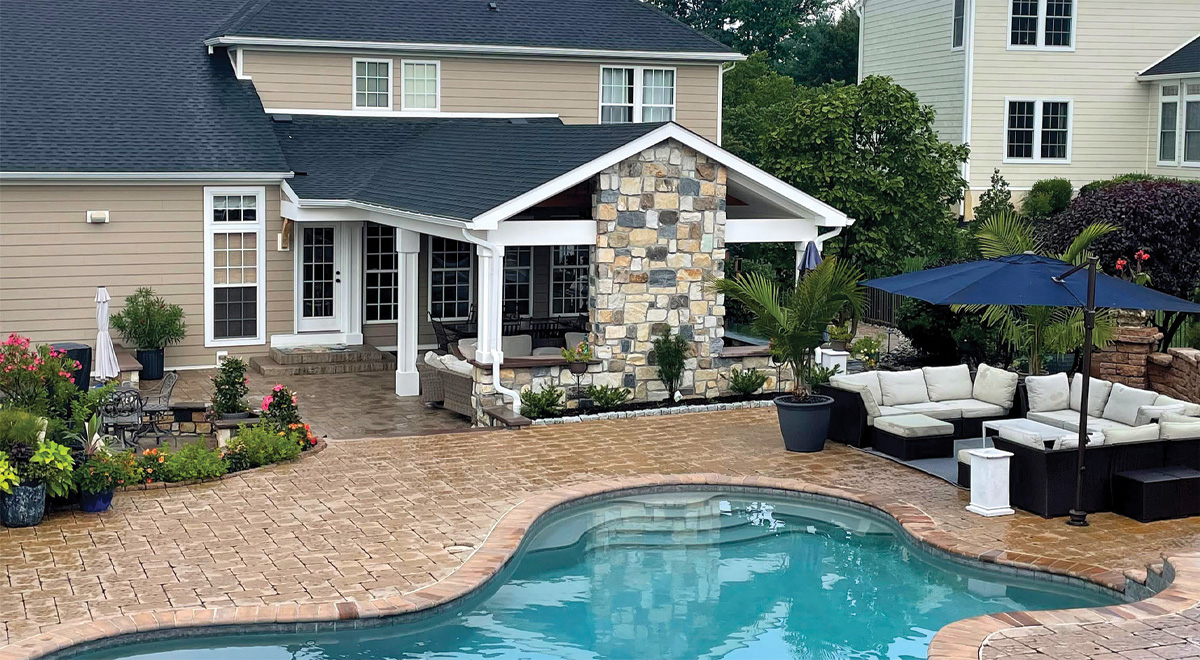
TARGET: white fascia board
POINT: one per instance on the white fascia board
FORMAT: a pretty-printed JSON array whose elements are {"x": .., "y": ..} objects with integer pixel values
[
  {"x": 410, "y": 114},
  {"x": 1160, "y": 60},
  {"x": 770, "y": 230},
  {"x": 346, "y": 210},
  {"x": 544, "y": 232},
  {"x": 289, "y": 195},
  {"x": 76, "y": 177},
  {"x": 1166, "y": 76},
  {"x": 742, "y": 171},
  {"x": 480, "y": 49}
]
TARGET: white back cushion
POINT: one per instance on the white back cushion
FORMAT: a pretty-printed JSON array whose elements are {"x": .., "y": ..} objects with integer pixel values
[
  {"x": 1098, "y": 391},
  {"x": 869, "y": 379},
  {"x": 1179, "y": 427},
  {"x": 457, "y": 366},
  {"x": 901, "y": 387},
  {"x": 1189, "y": 408},
  {"x": 946, "y": 383},
  {"x": 868, "y": 399},
  {"x": 1124, "y": 402},
  {"x": 1047, "y": 393},
  {"x": 995, "y": 386},
  {"x": 434, "y": 360},
  {"x": 1151, "y": 414},
  {"x": 467, "y": 347},
  {"x": 516, "y": 346},
  {"x": 1143, "y": 433}
]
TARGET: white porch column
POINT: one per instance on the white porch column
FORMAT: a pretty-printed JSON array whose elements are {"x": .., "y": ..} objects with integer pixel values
[
  {"x": 408, "y": 244},
  {"x": 490, "y": 306},
  {"x": 800, "y": 246}
]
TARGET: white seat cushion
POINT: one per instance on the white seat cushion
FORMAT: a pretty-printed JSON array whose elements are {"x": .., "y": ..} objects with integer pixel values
[
  {"x": 934, "y": 409},
  {"x": 457, "y": 366},
  {"x": 995, "y": 386},
  {"x": 945, "y": 383},
  {"x": 1119, "y": 436},
  {"x": 914, "y": 426},
  {"x": 545, "y": 351},
  {"x": 1063, "y": 419},
  {"x": 1124, "y": 402},
  {"x": 1047, "y": 393},
  {"x": 1098, "y": 391},
  {"x": 901, "y": 387},
  {"x": 887, "y": 411},
  {"x": 1096, "y": 424},
  {"x": 974, "y": 408},
  {"x": 1179, "y": 427},
  {"x": 1190, "y": 409},
  {"x": 434, "y": 360},
  {"x": 1151, "y": 414},
  {"x": 869, "y": 379}
]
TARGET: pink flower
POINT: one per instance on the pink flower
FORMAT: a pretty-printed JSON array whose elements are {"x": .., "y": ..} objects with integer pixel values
[
  {"x": 279, "y": 388},
  {"x": 267, "y": 401},
  {"x": 293, "y": 399}
]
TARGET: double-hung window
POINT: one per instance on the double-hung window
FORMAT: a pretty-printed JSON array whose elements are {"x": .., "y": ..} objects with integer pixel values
[
  {"x": 381, "y": 274},
  {"x": 959, "y": 24},
  {"x": 1179, "y": 123},
  {"x": 1168, "y": 124},
  {"x": 372, "y": 84},
  {"x": 234, "y": 300},
  {"x": 1191, "y": 123},
  {"x": 518, "y": 281},
  {"x": 449, "y": 279},
  {"x": 1037, "y": 130},
  {"x": 1048, "y": 24},
  {"x": 420, "y": 85},
  {"x": 569, "y": 266},
  {"x": 636, "y": 94}
]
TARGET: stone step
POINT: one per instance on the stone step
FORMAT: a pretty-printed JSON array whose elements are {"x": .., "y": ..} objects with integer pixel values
[
  {"x": 272, "y": 369},
  {"x": 326, "y": 354}
]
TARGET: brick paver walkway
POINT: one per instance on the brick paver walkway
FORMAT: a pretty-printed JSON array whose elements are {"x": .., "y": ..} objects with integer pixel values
[
  {"x": 374, "y": 518},
  {"x": 1173, "y": 637}
]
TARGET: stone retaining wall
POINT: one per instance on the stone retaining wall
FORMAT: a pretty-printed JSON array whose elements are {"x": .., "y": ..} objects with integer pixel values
[
  {"x": 1175, "y": 373},
  {"x": 1125, "y": 360}
]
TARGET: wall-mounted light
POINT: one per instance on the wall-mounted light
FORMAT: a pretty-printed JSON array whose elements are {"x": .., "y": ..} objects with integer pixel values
[{"x": 97, "y": 217}]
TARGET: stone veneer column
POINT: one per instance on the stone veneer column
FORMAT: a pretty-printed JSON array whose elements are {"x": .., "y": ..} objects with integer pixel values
[
  {"x": 1125, "y": 360},
  {"x": 660, "y": 220}
]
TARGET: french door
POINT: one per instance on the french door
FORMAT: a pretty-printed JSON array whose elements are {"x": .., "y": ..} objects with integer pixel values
[{"x": 321, "y": 279}]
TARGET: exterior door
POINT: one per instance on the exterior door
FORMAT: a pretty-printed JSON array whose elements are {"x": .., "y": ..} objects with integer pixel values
[{"x": 321, "y": 269}]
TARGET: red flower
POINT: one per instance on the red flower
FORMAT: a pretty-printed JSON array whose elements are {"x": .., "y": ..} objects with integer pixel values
[{"x": 1121, "y": 263}]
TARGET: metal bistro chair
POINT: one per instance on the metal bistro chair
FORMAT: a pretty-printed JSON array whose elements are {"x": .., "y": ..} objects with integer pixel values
[
  {"x": 156, "y": 404},
  {"x": 122, "y": 416}
]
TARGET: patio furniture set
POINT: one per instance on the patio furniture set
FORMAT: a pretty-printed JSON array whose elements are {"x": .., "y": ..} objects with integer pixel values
[
  {"x": 1143, "y": 448},
  {"x": 129, "y": 415}
]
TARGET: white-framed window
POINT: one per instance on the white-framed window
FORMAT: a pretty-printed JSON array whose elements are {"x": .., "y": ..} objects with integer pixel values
[
  {"x": 450, "y": 275},
  {"x": 1191, "y": 123},
  {"x": 420, "y": 85},
  {"x": 372, "y": 84},
  {"x": 636, "y": 94},
  {"x": 569, "y": 268},
  {"x": 958, "y": 24},
  {"x": 1179, "y": 123},
  {"x": 518, "y": 281},
  {"x": 380, "y": 274},
  {"x": 1037, "y": 130},
  {"x": 1046, "y": 24},
  {"x": 234, "y": 255},
  {"x": 1168, "y": 124}
]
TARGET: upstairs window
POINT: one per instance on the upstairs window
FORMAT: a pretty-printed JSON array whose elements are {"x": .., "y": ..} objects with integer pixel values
[
  {"x": 636, "y": 94},
  {"x": 1191, "y": 123},
  {"x": 1037, "y": 130},
  {"x": 372, "y": 84},
  {"x": 959, "y": 24},
  {"x": 420, "y": 85},
  {"x": 1041, "y": 24}
]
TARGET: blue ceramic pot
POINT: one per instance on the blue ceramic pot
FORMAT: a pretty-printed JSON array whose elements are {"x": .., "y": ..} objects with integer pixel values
[
  {"x": 95, "y": 502},
  {"x": 24, "y": 507}
]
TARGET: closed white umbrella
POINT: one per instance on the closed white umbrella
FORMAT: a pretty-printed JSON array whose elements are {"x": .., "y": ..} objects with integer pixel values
[{"x": 106, "y": 356}]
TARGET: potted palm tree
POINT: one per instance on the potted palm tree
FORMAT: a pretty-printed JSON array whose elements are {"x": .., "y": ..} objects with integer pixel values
[
  {"x": 795, "y": 319},
  {"x": 149, "y": 324}
]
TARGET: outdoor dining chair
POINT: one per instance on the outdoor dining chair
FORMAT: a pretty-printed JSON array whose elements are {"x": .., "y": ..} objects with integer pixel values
[{"x": 122, "y": 416}]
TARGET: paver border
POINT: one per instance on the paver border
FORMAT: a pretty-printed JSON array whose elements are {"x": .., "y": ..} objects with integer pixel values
[{"x": 961, "y": 640}]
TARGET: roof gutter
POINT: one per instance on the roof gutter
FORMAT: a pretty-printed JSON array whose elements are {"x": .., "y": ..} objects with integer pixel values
[
  {"x": 473, "y": 49},
  {"x": 145, "y": 176},
  {"x": 1166, "y": 76}
]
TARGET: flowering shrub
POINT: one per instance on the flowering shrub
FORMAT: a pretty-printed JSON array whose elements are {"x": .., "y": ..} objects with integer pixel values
[
  {"x": 230, "y": 387},
  {"x": 39, "y": 379},
  {"x": 302, "y": 435},
  {"x": 194, "y": 461},
  {"x": 153, "y": 464},
  {"x": 581, "y": 352},
  {"x": 105, "y": 471},
  {"x": 279, "y": 408},
  {"x": 261, "y": 444}
]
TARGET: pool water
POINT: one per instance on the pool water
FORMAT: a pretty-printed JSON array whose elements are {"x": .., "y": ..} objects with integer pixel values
[{"x": 682, "y": 575}]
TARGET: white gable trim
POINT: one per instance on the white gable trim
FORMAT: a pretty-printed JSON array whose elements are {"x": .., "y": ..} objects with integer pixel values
[
  {"x": 739, "y": 170},
  {"x": 1142, "y": 74}
]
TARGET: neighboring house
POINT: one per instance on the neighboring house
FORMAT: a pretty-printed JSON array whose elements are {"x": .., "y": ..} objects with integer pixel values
[
  {"x": 315, "y": 173},
  {"x": 1078, "y": 89}
]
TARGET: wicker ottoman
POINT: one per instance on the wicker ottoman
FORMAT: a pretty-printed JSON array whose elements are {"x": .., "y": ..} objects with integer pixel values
[{"x": 911, "y": 437}]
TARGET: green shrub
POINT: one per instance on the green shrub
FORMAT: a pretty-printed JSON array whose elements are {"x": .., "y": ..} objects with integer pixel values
[
  {"x": 230, "y": 387},
  {"x": 995, "y": 200},
  {"x": 20, "y": 433},
  {"x": 1097, "y": 186},
  {"x": 930, "y": 329},
  {"x": 147, "y": 322},
  {"x": 52, "y": 465},
  {"x": 261, "y": 444},
  {"x": 279, "y": 408},
  {"x": 868, "y": 349},
  {"x": 539, "y": 405},
  {"x": 670, "y": 351},
  {"x": 607, "y": 397},
  {"x": 195, "y": 461},
  {"x": 820, "y": 374},
  {"x": 746, "y": 382},
  {"x": 1047, "y": 197}
]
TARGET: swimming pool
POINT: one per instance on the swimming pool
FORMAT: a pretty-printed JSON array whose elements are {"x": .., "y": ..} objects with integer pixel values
[{"x": 689, "y": 574}]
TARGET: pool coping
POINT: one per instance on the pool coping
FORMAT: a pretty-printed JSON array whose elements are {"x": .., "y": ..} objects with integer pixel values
[{"x": 961, "y": 640}]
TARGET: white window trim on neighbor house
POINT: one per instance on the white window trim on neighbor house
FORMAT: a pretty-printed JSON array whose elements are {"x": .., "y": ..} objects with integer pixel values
[
  {"x": 437, "y": 99},
  {"x": 1041, "y": 29},
  {"x": 470, "y": 280},
  {"x": 211, "y": 229},
  {"x": 958, "y": 24},
  {"x": 639, "y": 91},
  {"x": 1181, "y": 100},
  {"x": 1037, "y": 129},
  {"x": 391, "y": 78}
]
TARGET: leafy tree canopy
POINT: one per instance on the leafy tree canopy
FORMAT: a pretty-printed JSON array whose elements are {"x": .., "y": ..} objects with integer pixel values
[
  {"x": 748, "y": 25},
  {"x": 826, "y": 51}
]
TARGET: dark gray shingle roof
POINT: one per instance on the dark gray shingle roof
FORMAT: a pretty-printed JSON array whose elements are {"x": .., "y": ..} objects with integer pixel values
[
  {"x": 1184, "y": 60},
  {"x": 448, "y": 168},
  {"x": 125, "y": 85},
  {"x": 586, "y": 24}
]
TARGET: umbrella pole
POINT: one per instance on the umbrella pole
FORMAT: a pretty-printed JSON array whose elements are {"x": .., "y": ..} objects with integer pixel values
[{"x": 1078, "y": 514}]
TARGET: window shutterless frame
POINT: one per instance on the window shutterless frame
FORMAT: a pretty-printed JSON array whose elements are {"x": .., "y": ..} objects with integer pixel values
[
  {"x": 380, "y": 274},
  {"x": 213, "y": 228},
  {"x": 354, "y": 77},
  {"x": 1168, "y": 107},
  {"x": 958, "y": 24},
  {"x": 518, "y": 261},
  {"x": 437, "y": 84},
  {"x": 1052, "y": 24},
  {"x": 640, "y": 103},
  {"x": 572, "y": 305},
  {"x": 1039, "y": 130},
  {"x": 437, "y": 290},
  {"x": 1188, "y": 149}
]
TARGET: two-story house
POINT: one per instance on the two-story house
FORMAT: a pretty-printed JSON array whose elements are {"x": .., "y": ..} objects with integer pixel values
[
  {"x": 1078, "y": 89},
  {"x": 312, "y": 173}
]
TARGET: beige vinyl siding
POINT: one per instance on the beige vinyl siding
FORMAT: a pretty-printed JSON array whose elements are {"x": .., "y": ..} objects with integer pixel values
[
  {"x": 1113, "y": 117},
  {"x": 51, "y": 261},
  {"x": 909, "y": 40},
  {"x": 568, "y": 88}
]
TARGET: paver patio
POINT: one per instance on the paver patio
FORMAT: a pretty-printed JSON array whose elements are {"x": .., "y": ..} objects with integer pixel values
[{"x": 380, "y": 517}]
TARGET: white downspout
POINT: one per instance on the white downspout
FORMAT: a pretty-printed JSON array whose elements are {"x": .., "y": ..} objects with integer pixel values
[
  {"x": 820, "y": 240},
  {"x": 496, "y": 293},
  {"x": 721, "y": 100}
]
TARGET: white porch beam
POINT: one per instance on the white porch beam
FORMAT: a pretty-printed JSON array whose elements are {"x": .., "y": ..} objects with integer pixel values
[
  {"x": 544, "y": 232},
  {"x": 772, "y": 230},
  {"x": 408, "y": 246}
]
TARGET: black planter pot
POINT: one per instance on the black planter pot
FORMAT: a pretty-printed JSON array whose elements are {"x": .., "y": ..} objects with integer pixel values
[
  {"x": 24, "y": 507},
  {"x": 577, "y": 367},
  {"x": 804, "y": 425},
  {"x": 152, "y": 363}
]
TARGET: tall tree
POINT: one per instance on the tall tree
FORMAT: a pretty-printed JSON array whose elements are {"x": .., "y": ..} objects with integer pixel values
[
  {"x": 754, "y": 100},
  {"x": 826, "y": 51},
  {"x": 748, "y": 25}
]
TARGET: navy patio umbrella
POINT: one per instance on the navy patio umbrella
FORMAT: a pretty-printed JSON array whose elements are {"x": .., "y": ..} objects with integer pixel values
[
  {"x": 811, "y": 258},
  {"x": 1034, "y": 280}
]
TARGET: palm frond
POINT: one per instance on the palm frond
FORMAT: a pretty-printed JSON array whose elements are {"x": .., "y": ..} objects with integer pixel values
[
  {"x": 1006, "y": 234},
  {"x": 1077, "y": 252}
]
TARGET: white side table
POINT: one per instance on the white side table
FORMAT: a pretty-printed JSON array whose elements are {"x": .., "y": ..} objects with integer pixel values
[
  {"x": 830, "y": 359},
  {"x": 989, "y": 482}
]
